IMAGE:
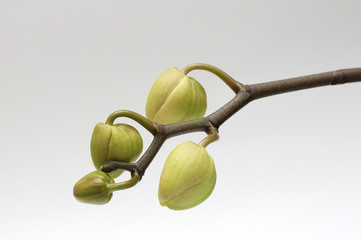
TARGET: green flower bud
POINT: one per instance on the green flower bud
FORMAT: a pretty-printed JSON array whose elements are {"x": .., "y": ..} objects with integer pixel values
[
  {"x": 188, "y": 177},
  {"x": 92, "y": 188},
  {"x": 119, "y": 142},
  {"x": 175, "y": 97}
]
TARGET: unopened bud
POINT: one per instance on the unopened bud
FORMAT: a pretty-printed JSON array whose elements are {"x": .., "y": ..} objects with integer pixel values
[
  {"x": 188, "y": 177},
  {"x": 119, "y": 142},
  {"x": 175, "y": 97},
  {"x": 92, "y": 188}
]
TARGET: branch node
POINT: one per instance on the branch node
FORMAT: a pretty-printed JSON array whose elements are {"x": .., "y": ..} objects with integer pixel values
[{"x": 339, "y": 77}]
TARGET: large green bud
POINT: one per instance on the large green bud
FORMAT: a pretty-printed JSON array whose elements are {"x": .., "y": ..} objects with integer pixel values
[
  {"x": 119, "y": 142},
  {"x": 92, "y": 188},
  {"x": 175, "y": 97},
  {"x": 188, "y": 177}
]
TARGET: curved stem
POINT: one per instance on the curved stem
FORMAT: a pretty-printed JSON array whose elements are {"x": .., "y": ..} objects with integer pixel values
[
  {"x": 212, "y": 137},
  {"x": 233, "y": 84},
  {"x": 145, "y": 122},
  {"x": 124, "y": 185}
]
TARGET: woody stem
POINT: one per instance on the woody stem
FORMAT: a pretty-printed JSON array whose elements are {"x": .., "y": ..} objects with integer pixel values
[{"x": 242, "y": 98}]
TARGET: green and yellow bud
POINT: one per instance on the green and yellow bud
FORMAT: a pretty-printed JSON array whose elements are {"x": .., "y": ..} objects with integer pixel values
[
  {"x": 92, "y": 188},
  {"x": 188, "y": 177},
  {"x": 119, "y": 142},
  {"x": 175, "y": 97}
]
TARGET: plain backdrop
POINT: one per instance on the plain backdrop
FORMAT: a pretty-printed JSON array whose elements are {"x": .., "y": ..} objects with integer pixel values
[{"x": 288, "y": 166}]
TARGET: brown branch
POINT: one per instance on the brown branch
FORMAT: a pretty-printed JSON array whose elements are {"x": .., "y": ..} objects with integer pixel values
[
  {"x": 299, "y": 83},
  {"x": 242, "y": 98}
]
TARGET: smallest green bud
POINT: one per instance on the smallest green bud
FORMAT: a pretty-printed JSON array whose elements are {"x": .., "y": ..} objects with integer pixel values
[{"x": 93, "y": 188}]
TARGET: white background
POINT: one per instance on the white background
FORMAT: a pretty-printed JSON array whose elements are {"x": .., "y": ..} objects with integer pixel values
[{"x": 288, "y": 166}]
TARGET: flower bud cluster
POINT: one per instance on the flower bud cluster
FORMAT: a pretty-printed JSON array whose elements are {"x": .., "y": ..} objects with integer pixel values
[{"x": 188, "y": 177}]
